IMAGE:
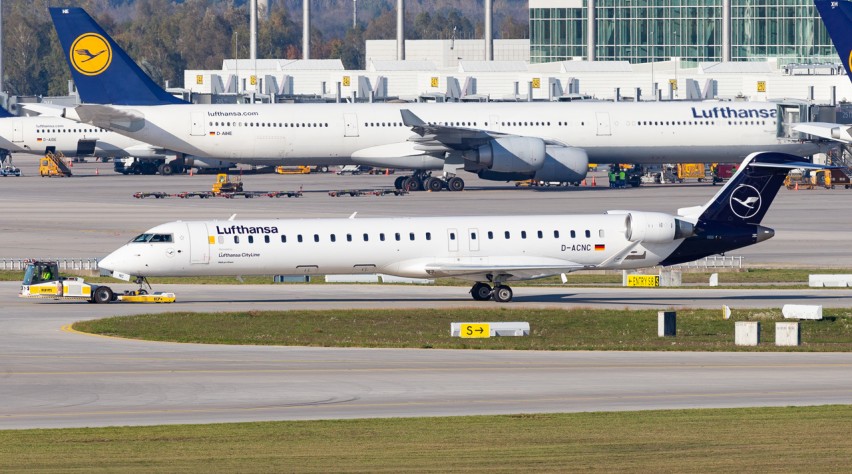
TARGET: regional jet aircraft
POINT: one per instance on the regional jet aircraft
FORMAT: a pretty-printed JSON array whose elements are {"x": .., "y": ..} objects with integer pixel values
[
  {"x": 489, "y": 250},
  {"x": 544, "y": 141}
]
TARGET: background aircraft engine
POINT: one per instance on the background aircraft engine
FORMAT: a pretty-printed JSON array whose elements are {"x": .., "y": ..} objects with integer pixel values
[
  {"x": 656, "y": 228},
  {"x": 565, "y": 164},
  {"x": 510, "y": 155}
]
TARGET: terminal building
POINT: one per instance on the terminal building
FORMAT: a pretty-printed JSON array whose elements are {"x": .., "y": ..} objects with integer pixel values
[{"x": 641, "y": 31}]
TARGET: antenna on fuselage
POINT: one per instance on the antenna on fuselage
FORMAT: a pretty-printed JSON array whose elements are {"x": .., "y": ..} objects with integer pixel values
[{"x": 353, "y": 215}]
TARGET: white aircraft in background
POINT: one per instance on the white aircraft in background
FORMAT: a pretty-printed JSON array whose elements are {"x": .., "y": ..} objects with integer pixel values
[
  {"x": 489, "y": 250},
  {"x": 39, "y": 134},
  {"x": 500, "y": 141}
]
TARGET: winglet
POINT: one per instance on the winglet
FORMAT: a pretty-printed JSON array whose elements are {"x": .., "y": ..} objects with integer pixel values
[
  {"x": 103, "y": 72},
  {"x": 411, "y": 120}
]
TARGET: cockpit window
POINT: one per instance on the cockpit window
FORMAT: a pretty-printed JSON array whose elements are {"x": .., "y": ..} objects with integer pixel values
[
  {"x": 153, "y": 238},
  {"x": 161, "y": 238}
]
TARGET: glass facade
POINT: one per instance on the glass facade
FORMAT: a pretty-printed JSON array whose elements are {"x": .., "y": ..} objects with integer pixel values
[{"x": 644, "y": 30}]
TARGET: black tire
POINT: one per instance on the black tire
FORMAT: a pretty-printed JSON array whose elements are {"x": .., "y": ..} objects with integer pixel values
[
  {"x": 481, "y": 292},
  {"x": 323, "y": 169},
  {"x": 502, "y": 294},
  {"x": 433, "y": 184},
  {"x": 397, "y": 183},
  {"x": 455, "y": 184},
  {"x": 142, "y": 292},
  {"x": 102, "y": 294},
  {"x": 166, "y": 169},
  {"x": 412, "y": 184}
]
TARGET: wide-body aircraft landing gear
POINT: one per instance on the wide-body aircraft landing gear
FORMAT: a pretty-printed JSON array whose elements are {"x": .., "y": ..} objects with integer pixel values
[
  {"x": 424, "y": 181},
  {"x": 483, "y": 292}
]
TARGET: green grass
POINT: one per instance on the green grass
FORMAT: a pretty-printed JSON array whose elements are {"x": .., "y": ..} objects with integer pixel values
[
  {"x": 807, "y": 439},
  {"x": 551, "y": 329}
]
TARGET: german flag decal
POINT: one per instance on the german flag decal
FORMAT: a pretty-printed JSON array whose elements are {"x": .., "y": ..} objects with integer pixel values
[
  {"x": 600, "y": 247},
  {"x": 212, "y": 134},
  {"x": 38, "y": 139}
]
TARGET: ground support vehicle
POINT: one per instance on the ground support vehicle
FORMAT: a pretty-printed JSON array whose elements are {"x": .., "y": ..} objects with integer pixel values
[
  {"x": 6, "y": 166},
  {"x": 367, "y": 192},
  {"x": 695, "y": 171},
  {"x": 53, "y": 164},
  {"x": 42, "y": 280}
]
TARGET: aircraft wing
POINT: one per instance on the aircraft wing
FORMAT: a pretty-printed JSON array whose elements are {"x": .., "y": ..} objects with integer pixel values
[
  {"x": 829, "y": 131},
  {"x": 516, "y": 268},
  {"x": 432, "y": 137},
  {"x": 106, "y": 116}
]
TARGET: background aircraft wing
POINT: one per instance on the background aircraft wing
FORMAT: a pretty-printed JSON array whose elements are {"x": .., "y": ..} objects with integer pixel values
[
  {"x": 432, "y": 137},
  {"x": 829, "y": 131},
  {"x": 106, "y": 116}
]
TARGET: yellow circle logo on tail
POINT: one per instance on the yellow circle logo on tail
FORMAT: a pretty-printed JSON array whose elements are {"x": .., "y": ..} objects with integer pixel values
[
  {"x": 849, "y": 62},
  {"x": 90, "y": 54}
]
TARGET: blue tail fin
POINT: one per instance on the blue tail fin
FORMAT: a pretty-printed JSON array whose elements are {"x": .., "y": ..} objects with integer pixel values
[
  {"x": 731, "y": 220},
  {"x": 837, "y": 17},
  {"x": 746, "y": 197},
  {"x": 103, "y": 72},
  {"x": 5, "y": 113}
]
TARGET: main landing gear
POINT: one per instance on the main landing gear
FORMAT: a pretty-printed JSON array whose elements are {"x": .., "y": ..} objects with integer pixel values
[
  {"x": 424, "y": 181},
  {"x": 483, "y": 292}
]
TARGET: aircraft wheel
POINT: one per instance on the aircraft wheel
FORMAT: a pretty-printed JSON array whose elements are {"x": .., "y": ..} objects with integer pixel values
[
  {"x": 102, "y": 294},
  {"x": 502, "y": 294},
  {"x": 433, "y": 184},
  {"x": 412, "y": 184},
  {"x": 455, "y": 184},
  {"x": 166, "y": 169},
  {"x": 481, "y": 291},
  {"x": 397, "y": 183}
]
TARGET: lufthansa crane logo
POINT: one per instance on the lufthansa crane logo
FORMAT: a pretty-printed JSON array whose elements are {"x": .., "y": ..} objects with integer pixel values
[
  {"x": 90, "y": 54},
  {"x": 745, "y": 201}
]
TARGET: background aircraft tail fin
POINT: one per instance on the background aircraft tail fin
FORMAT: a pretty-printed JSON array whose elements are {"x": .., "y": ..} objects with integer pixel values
[
  {"x": 5, "y": 113},
  {"x": 746, "y": 197},
  {"x": 103, "y": 72},
  {"x": 837, "y": 17}
]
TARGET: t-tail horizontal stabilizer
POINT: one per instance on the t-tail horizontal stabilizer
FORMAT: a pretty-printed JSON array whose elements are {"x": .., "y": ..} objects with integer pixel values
[
  {"x": 731, "y": 220},
  {"x": 102, "y": 71}
]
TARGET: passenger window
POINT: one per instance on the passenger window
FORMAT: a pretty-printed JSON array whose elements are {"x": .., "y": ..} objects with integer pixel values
[
  {"x": 251, "y": 239},
  {"x": 411, "y": 236},
  {"x": 333, "y": 238},
  {"x": 428, "y": 236},
  {"x": 236, "y": 239},
  {"x": 283, "y": 239},
  {"x": 349, "y": 237},
  {"x": 452, "y": 236},
  {"x": 299, "y": 238},
  {"x": 490, "y": 235},
  {"x": 382, "y": 237},
  {"x": 473, "y": 236},
  {"x": 588, "y": 234},
  {"x": 540, "y": 234},
  {"x": 601, "y": 233},
  {"x": 366, "y": 237},
  {"x": 221, "y": 239},
  {"x": 523, "y": 234},
  {"x": 266, "y": 238},
  {"x": 506, "y": 235},
  {"x": 397, "y": 236},
  {"x": 573, "y": 234},
  {"x": 316, "y": 237}
]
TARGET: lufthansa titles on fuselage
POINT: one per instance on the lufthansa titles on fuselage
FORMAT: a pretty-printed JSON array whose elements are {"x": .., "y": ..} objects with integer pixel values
[
  {"x": 732, "y": 112},
  {"x": 242, "y": 230}
]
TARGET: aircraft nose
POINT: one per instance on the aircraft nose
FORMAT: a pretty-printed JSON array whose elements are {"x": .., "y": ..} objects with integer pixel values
[
  {"x": 111, "y": 262},
  {"x": 764, "y": 233}
]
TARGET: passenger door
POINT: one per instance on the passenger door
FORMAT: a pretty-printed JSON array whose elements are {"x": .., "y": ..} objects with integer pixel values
[
  {"x": 603, "y": 124},
  {"x": 199, "y": 242},
  {"x": 350, "y": 126},
  {"x": 198, "y": 124}
]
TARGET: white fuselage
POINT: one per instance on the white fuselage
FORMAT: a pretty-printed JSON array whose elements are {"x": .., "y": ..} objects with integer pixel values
[
  {"x": 35, "y": 134},
  {"x": 610, "y": 132},
  {"x": 534, "y": 246}
]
